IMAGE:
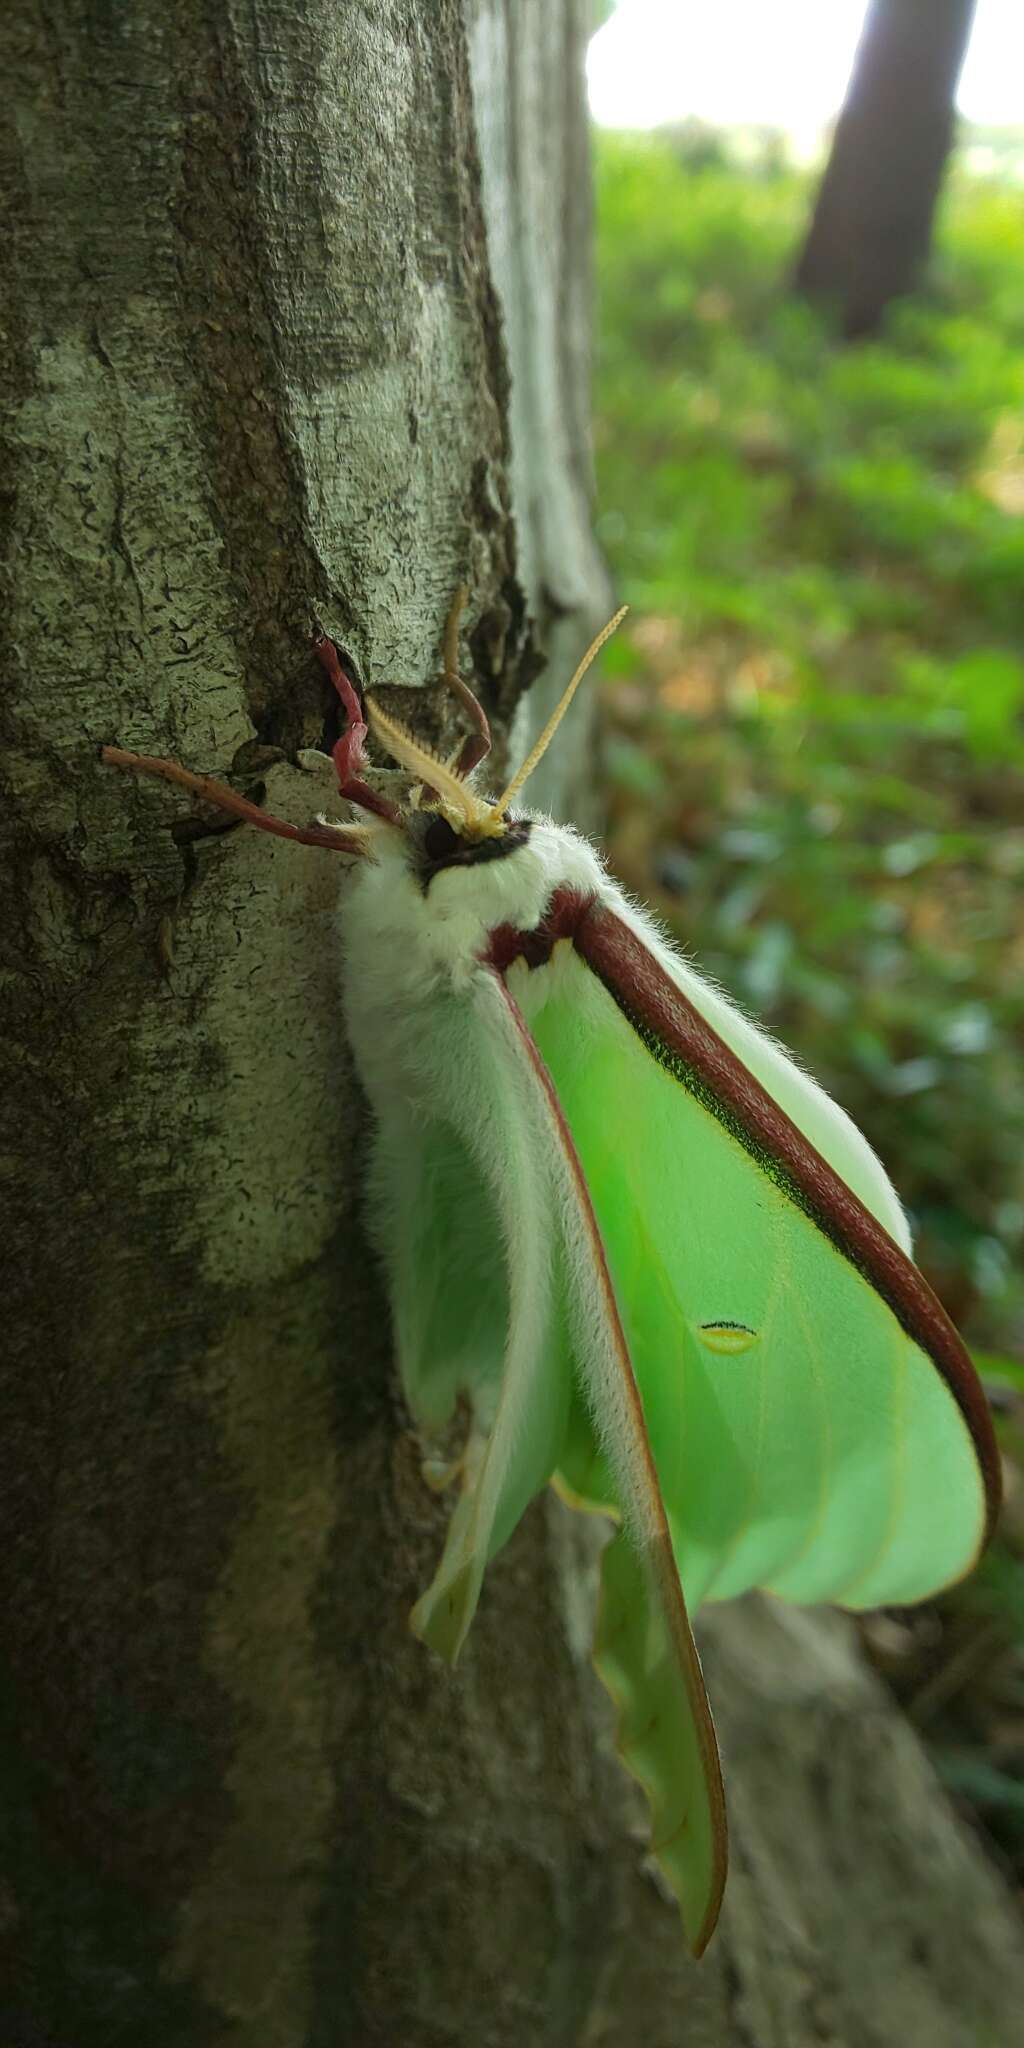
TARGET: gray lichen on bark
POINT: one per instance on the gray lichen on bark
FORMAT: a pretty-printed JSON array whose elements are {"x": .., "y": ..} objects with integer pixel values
[{"x": 294, "y": 328}]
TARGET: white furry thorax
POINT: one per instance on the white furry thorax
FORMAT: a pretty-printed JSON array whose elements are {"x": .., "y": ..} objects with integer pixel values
[
  {"x": 412, "y": 955},
  {"x": 435, "y": 938}
]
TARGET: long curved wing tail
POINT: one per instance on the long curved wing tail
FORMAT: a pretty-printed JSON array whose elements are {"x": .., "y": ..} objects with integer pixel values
[{"x": 644, "y": 1649}]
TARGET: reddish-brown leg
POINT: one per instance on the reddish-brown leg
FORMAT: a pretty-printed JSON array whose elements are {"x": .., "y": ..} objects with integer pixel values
[
  {"x": 347, "y": 756},
  {"x": 477, "y": 745},
  {"x": 337, "y": 838},
  {"x": 348, "y": 752}
]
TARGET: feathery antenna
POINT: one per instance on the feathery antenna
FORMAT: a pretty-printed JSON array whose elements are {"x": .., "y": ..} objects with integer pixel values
[
  {"x": 423, "y": 762},
  {"x": 557, "y": 716}
]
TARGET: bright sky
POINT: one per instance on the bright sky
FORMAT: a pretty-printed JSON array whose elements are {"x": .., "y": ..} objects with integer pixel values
[{"x": 783, "y": 63}]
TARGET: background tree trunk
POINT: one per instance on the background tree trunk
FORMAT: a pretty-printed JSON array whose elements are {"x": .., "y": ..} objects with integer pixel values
[
  {"x": 873, "y": 218},
  {"x": 266, "y": 275}
]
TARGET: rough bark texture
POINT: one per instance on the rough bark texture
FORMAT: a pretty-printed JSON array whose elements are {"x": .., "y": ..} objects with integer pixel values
[
  {"x": 256, "y": 372},
  {"x": 873, "y": 218}
]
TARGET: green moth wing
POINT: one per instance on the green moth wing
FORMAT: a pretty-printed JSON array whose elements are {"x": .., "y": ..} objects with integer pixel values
[
  {"x": 473, "y": 1321},
  {"x": 671, "y": 1277},
  {"x": 643, "y": 1649},
  {"x": 520, "y": 1338},
  {"x": 817, "y": 1425},
  {"x": 723, "y": 1345},
  {"x": 646, "y": 1657}
]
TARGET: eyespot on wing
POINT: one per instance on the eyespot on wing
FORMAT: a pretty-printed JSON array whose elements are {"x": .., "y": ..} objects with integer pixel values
[{"x": 726, "y": 1337}]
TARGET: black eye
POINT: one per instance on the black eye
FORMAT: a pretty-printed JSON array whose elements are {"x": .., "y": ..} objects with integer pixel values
[{"x": 439, "y": 840}]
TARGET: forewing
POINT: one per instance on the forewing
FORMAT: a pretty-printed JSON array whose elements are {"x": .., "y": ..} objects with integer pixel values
[{"x": 806, "y": 1440}]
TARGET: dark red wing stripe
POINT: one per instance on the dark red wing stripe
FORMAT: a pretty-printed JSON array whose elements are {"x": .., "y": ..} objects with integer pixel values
[{"x": 684, "y": 1042}]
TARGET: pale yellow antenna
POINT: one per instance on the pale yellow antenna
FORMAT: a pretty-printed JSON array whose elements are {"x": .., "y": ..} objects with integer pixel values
[
  {"x": 424, "y": 763},
  {"x": 557, "y": 716}
]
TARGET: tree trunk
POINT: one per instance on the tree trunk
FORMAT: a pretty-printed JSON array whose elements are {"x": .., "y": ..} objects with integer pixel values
[
  {"x": 873, "y": 219},
  {"x": 267, "y": 272}
]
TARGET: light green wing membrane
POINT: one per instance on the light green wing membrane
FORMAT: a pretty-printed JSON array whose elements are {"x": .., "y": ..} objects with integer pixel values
[
  {"x": 472, "y": 1322},
  {"x": 543, "y": 1325},
  {"x": 804, "y": 1441},
  {"x": 441, "y": 1235}
]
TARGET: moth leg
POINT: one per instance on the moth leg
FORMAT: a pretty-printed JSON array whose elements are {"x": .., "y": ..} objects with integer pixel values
[
  {"x": 477, "y": 745},
  {"x": 213, "y": 792},
  {"x": 347, "y": 756},
  {"x": 349, "y": 752}
]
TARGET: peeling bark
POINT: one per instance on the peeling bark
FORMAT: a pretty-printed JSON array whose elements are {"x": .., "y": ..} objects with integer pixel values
[{"x": 267, "y": 273}]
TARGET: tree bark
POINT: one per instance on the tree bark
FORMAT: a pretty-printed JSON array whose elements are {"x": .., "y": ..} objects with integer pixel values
[
  {"x": 873, "y": 219},
  {"x": 267, "y": 273}
]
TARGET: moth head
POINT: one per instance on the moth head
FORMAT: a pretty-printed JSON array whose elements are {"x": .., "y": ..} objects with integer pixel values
[{"x": 446, "y": 823}]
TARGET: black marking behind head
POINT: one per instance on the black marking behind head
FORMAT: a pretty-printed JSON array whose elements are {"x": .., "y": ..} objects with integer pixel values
[
  {"x": 440, "y": 841},
  {"x": 438, "y": 844}
]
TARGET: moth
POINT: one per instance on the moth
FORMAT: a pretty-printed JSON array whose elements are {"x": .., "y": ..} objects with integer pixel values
[{"x": 661, "y": 1269}]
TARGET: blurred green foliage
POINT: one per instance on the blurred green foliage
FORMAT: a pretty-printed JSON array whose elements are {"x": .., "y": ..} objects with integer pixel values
[{"x": 814, "y": 738}]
